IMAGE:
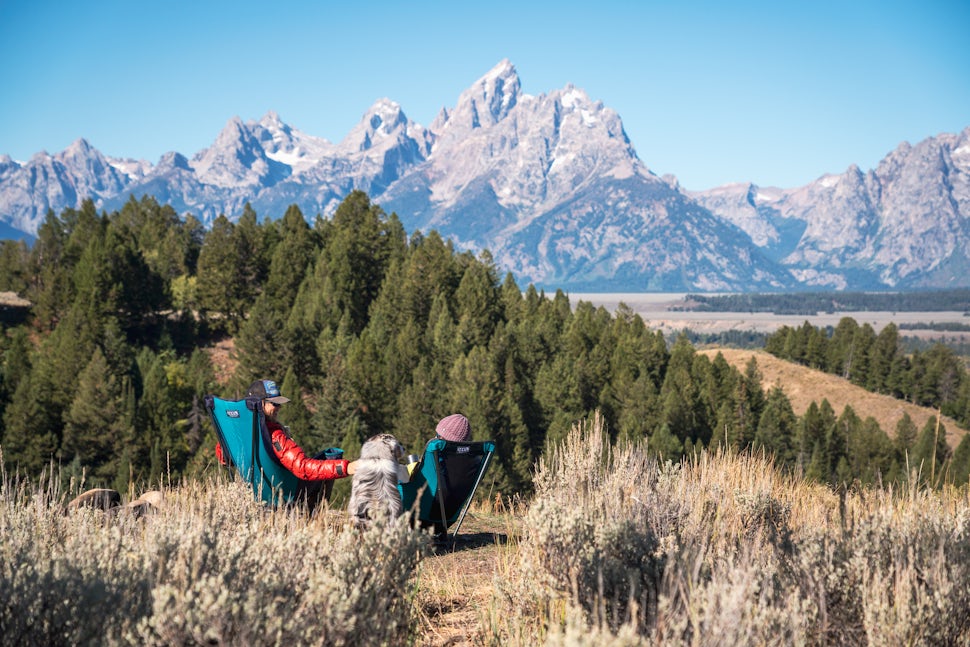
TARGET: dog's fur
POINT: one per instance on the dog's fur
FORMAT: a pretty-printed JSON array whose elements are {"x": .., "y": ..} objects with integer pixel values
[{"x": 374, "y": 491}]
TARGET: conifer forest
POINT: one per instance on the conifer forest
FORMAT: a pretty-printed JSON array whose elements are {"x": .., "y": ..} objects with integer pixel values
[{"x": 369, "y": 328}]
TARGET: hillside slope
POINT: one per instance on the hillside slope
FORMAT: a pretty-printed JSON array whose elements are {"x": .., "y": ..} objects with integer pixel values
[{"x": 804, "y": 385}]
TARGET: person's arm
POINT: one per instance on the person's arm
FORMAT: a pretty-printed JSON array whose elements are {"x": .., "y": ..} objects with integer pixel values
[
  {"x": 219, "y": 455},
  {"x": 304, "y": 467}
]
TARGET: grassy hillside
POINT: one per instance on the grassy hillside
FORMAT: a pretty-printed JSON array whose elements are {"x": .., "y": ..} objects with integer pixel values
[
  {"x": 804, "y": 385},
  {"x": 614, "y": 549}
]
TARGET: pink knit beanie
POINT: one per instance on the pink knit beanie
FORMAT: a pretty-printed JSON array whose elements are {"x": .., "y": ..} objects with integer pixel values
[{"x": 455, "y": 428}]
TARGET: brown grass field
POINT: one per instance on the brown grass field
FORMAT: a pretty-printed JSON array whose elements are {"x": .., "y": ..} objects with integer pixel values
[{"x": 804, "y": 385}]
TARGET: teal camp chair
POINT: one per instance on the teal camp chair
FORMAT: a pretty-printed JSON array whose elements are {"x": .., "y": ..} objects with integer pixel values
[
  {"x": 444, "y": 482},
  {"x": 245, "y": 439}
]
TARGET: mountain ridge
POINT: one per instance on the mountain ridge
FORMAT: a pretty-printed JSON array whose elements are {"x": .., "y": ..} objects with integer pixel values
[{"x": 552, "y": 185}]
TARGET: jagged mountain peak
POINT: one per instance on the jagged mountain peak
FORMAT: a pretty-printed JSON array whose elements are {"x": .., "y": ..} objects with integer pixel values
[
  {"x": 274, "y": 126},
  {"x": 235, "y": 158},
  {"x": 171, "y": 161},
  {"x": 525, "y": 153},
  {"x": 440, "y": 120},
  {"x": 272, "y": 120},
  {"x": 384, "y": 121},
  {"x": 552, "y": 186},
  {"x": 231, "y": 134},
  {"x": 502, "y": 70},
  {"x": 287, "y": 145},
  {"x": 79, "y": 148},
  {"x": 489, "y": 99},
  {"x": 385, "y": 116}
]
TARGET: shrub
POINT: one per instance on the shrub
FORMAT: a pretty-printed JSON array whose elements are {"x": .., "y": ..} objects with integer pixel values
[
  {"x": 211, "y": 567},
  {"x": 723, "y": 549}
]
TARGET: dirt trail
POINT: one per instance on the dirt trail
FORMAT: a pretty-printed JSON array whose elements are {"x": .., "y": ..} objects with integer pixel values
[{"x": 456, "y": 584}]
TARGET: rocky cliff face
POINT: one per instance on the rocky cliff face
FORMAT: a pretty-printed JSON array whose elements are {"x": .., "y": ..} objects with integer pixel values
[
  {"x": 553, "y": 187},
  {"x": 905, "y": 224}
]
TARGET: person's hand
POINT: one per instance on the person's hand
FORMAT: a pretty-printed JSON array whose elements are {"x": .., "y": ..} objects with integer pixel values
[{"x": 351, "y": 468}]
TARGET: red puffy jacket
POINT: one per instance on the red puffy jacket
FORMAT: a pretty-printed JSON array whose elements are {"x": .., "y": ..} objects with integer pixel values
[{"x": 293, "y": 458}]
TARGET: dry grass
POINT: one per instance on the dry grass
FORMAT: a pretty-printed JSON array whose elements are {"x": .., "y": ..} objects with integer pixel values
[
  {"x": 212, "y": 566},
  {"x": 724, "y": 549},
  {"x": 457, "y": 584},
  {"x": 805, "y": 385},
  {"x": 614, "y": 549}
]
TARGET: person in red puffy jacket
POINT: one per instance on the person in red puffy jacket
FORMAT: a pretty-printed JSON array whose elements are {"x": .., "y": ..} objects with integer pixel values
[{"x": 290, "y": 454}]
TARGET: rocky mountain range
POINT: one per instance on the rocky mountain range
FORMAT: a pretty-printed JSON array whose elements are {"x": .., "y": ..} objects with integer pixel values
[{"x": 553, "y": 187}]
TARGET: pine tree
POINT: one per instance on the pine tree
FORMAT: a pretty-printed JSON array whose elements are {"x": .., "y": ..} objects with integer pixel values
[
  {"x": 33, "y": 421},
  {"x": 259, "y": 345},
  {"x": 811, "y": 433},
  {"x": 419, "y": 408},
  {"x": 930, "y": 452},
  {"x": 50, "y": 285},
  {"x": 32, "y": 431},
  {"x": 219, "y": 277},
  {"x": 360, "y": 245},
  {"x": 841, "y": 351},
  {"x": 882, "y": 357},
  {"x": 960, "y": 463},
  {"x": 665, "y": 444},
  {"x": 557, "y": 393},
  {"x": 752, "y": 401},
  {"x": 816, "y": 349},
  {"x": 776, "y": 428},
  {"x": 476, "y": 390},
  {"x": 837, "y": 443},
  {"x": 905, "y": 438},
  {"x": 337, "y": 409},
  {"x": 14, "y": 367},
  {"x": 157, "y": 442},
  {"x": 14, "y": 266},
  {"x": 253, "y": 246},
  {"x": 818, "y": 469},
  {"x": 478, "y": 307},
  {"x": 201, "y": 382},
  {"x": 871, "y": 454},
  {"x": 638, "y": 407},
  {"x": 862, "y": 343},
  {"x": 98, "y": 421},
  {"x": 262, "y": 342},
  {"x": 429, "y": 271},
  {"x": 365, "y": 376},
  {"x": 680, "y": 395}
]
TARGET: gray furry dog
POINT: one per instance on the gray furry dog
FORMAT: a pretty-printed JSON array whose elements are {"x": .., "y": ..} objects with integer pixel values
[{"x": 374, "y": 491}]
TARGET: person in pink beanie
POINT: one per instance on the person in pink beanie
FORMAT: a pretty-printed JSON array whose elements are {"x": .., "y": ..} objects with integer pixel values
[{"x": 455, "y": 428}]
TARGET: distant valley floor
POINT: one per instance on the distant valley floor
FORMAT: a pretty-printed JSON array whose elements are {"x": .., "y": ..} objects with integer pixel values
[{"x": 655, "y": 309}]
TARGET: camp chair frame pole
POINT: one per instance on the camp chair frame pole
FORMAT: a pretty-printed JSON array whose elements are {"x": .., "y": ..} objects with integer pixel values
[{"x": 478, "y": 480}]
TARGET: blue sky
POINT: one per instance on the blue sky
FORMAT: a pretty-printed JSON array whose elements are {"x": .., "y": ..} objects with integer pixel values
[{"x": 776, "y": 93}]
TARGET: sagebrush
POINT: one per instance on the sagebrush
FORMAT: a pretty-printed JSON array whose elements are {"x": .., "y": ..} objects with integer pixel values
[
  {"x": 212, "y": 566},
  {"x": 620, "y": 548}
]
